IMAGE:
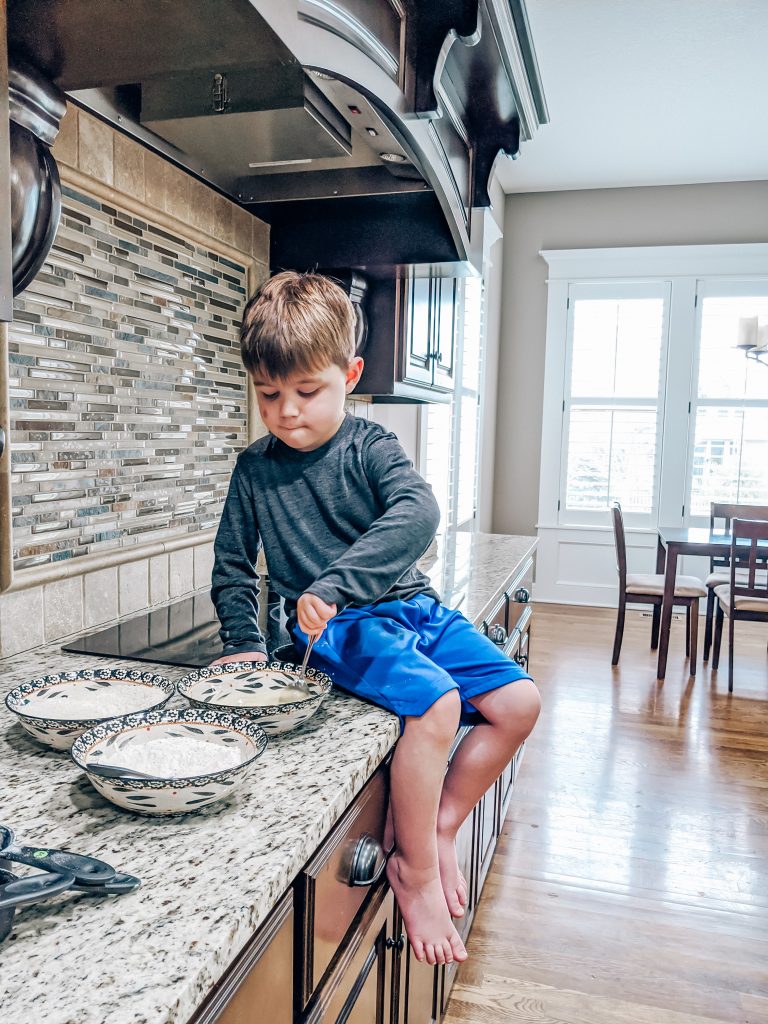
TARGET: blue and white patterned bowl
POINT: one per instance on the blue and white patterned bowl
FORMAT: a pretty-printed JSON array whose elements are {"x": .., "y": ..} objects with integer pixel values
[
  {"x": 223, "y": 686},
  {"x": 164, "y": 795},
  {"x": 41, "y": 703}
]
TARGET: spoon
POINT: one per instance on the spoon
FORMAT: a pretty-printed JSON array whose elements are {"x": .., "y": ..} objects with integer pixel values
[
  {"x": 302, "y": 678},
  {"x": 114, "y": 771}
]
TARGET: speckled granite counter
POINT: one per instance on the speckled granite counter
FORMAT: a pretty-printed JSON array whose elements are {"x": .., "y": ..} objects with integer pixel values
[{"x": 210, "y": 878}]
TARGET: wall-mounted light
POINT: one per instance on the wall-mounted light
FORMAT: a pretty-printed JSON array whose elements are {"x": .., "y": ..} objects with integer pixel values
[{"x": 752, "y": 339}]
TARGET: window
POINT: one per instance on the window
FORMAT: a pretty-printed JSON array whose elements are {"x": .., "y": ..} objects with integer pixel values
[
  {"x": 451, "y": 431},
  {"x": 729, "y": 459},
  {"x": 614, "y": 389},
  {"x": 646, "y": 400}
]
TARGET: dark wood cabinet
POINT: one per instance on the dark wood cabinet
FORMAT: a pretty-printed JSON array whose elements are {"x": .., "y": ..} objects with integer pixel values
[
  {"x": 414, "y": 320},
  {"x": 428, "y": 331}
]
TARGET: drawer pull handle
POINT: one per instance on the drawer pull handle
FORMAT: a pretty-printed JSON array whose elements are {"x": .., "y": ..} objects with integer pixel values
[
  {"x": 497, "y": 634},
  {"x": 398, "y": 944},
  {"x": 368, "y": 861},
  {"x": 522, "y": 595}
]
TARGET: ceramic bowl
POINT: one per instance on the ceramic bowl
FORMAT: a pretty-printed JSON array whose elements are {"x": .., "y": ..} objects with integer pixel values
[
  {"x": 41, "y": 703},
  {"x": 229, "y": 687},
  {"x": 109, "y": 741}
]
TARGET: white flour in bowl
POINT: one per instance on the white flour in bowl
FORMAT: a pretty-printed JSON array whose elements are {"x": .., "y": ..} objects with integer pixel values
[
  {"x": 86, "y": 700},
  {"x": 176, "y": 757}
]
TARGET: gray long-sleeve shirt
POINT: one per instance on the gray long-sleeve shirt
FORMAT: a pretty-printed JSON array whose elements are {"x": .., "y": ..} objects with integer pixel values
[{"x": 346, "y": 522}]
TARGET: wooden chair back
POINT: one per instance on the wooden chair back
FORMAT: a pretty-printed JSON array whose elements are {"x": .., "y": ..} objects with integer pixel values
[
  {"x": 621, "y": 545},
  {"x": 750, "y": 558},
  {"x": 721, "y": 515}
]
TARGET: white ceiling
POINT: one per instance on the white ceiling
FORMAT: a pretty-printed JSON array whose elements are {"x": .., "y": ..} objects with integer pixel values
[{"x": 647, "y": 92}]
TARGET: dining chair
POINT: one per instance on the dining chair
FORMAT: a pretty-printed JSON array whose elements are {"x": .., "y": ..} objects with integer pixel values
[
  {"x": 745, "y": 596},
  {"x": 648, "y": 588},
  {"x": 720, "y": 516}
]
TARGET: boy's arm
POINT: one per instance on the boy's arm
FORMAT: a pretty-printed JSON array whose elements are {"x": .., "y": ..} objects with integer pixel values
[
  {"x": 394, "y": 541},
  {"x": 234, "y": 581}
]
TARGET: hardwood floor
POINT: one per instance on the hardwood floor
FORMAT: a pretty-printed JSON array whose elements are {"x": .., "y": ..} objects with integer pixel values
[{"x": 630, "y": 884}]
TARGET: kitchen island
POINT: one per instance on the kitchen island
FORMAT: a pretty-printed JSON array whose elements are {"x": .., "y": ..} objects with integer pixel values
[{"x": 212, "y": 878}]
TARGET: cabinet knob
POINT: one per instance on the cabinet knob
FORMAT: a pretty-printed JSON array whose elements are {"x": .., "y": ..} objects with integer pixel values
[
  {"x": 497, "y": 634},
  {"x": 368, "y": 861},
  {"x": 398, "y": 944},
  {"x": 522, "y": 595},
  {"x": 522, "y": 660}
]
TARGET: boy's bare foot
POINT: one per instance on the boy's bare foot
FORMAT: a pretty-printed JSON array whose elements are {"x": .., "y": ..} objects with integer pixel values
[
  {"x": 454, "y": 883},
  {"x": 419, "y": 895}
]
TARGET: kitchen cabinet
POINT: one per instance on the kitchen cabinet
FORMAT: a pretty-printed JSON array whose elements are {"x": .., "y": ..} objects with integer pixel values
[
  {"x": 414, "y": 323},
  {"x": 428, "y": 331},
  {"x": 360, "y": 989},
  {"x": 259, "y": 986}
]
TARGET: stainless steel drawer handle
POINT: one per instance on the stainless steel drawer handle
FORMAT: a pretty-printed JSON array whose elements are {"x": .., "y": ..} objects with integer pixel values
[
  {"x": 398, "y": 944},
  {"x": 522, "y": 595},
  {"x": 368, "y": 861},
  {"x": 497, "y": 634}
]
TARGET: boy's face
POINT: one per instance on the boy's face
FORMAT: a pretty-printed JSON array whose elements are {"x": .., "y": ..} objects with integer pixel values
[{"x": 305, "y": 410}]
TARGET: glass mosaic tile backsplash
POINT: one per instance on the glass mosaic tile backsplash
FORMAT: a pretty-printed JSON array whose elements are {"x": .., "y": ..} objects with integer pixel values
[{"x": 128, "y": 397}]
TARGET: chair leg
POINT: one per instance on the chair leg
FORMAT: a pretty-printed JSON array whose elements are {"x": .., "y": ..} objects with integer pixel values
[
  {"x": 731, "y": 624},
  {"x": 619, "y": 630},
  {"x": 694, "y": 610},
  {"x": 687, "y": 631},
  {"x": 655, "y": 623},
  {"x": 718, "y": 637},
  {"x": 708, "y": 622}
]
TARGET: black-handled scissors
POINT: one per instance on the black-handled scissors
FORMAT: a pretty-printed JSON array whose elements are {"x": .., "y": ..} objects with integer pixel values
[{"x": 87, "y": 870}]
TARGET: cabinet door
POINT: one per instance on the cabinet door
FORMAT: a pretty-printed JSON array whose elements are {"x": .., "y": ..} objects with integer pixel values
[
  {"x": 445, "y": 306},
  {"x": 259, "y": 985},
  {"x": 360, "y": 989},
  {"x": 418, "y": 988},
  {"x": 486, "y": 836},
  {"x": 418, "y": 331}
]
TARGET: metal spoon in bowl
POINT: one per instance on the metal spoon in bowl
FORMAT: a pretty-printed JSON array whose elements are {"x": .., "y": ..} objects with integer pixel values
[
  {"x": 302, "y": 676},
  {"x": 114, "y": 771}
]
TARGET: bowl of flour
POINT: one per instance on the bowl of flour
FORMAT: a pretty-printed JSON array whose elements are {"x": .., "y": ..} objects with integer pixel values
[
  {"x": 193, "y": 758},
  {"x": 268, "y": 693},
  {"x": 56, "y": 709}
]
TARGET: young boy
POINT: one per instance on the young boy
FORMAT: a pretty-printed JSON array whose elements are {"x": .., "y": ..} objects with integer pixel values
[{"x": 343, "y": 517}]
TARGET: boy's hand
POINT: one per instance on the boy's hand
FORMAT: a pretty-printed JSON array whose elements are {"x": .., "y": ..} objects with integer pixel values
[
  {"x": 313, "y": 613},
  {"x": 242, "y": 656}
]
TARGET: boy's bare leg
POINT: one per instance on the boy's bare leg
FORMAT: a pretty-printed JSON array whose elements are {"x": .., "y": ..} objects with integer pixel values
[
  {"x": 418, "y": 770},
  {"x": 510, "y": 712}
]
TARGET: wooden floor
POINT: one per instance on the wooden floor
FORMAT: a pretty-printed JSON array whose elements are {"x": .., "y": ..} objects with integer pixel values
[{"x": 631, "y": 881}]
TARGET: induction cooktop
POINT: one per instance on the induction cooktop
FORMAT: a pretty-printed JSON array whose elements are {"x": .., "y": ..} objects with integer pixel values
[{"x": 185, "y": 632}]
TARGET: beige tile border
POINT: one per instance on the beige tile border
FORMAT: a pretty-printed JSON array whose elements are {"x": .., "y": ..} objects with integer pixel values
[{"x": 256, "y": 271}]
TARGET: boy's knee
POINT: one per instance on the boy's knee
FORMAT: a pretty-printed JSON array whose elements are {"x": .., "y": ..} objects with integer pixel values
[{"x": 515, "y": 706}]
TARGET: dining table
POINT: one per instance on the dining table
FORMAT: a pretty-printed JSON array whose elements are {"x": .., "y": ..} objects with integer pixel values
[{"x": 674, "y": 541}]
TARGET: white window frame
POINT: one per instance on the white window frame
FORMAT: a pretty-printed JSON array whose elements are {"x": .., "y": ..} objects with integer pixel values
[{"x": 576, "y": 563}]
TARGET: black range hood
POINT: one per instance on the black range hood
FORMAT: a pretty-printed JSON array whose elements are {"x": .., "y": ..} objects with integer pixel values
[{"x": 363, "y": 131}]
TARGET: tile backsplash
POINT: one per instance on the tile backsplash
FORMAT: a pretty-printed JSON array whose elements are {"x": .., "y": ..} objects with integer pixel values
[{"x": 127, "y": 393}]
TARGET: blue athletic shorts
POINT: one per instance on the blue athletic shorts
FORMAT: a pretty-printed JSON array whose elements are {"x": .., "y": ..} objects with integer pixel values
[{"x": 404, "y": 655}]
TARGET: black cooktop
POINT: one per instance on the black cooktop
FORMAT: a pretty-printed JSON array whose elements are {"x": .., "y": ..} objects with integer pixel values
[{"x": 183, "y": 633}]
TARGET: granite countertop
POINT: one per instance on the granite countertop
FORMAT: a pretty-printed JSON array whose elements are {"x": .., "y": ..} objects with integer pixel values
[{"x": 209, "y": 878}]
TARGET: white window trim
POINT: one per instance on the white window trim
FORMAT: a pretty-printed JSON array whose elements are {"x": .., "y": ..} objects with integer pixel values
[{"x": 685, "y": 265}]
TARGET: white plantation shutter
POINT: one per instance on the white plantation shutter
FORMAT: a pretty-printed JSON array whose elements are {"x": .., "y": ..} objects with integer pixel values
[{"x": 613, "y": 400}]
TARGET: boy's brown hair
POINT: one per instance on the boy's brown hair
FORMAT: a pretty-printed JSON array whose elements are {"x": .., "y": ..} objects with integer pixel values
[{"x": 297, "y": 323}]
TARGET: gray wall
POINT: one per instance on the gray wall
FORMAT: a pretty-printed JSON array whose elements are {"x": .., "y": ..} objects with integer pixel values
[{"x": 673, "y": 215}]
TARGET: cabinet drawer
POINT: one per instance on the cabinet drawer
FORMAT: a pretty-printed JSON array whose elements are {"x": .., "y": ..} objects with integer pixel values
[{"x": 331, "y": 903}]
